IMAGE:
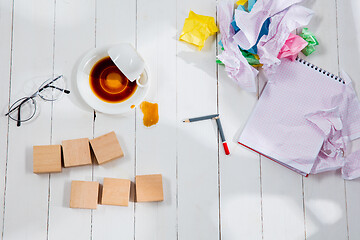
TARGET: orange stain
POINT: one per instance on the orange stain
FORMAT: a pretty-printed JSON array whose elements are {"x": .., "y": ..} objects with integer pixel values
[
  {"x": 132, "y": 106},
  {"x": 151, "y": 113}
]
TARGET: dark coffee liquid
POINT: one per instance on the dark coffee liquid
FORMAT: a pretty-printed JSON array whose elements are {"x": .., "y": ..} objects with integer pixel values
[{"x": 109, "y": 83}]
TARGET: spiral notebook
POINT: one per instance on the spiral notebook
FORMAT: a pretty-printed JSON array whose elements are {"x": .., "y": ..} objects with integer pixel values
[{"x": 278, "y": 127}]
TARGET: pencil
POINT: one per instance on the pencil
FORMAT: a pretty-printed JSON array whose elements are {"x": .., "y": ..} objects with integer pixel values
[
  {"x": 201, "y": 118},
  {"x": 226, "y": 148}
]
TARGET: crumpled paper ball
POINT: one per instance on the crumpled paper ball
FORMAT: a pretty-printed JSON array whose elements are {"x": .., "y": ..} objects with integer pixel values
[{"x": 197, "y": 28}]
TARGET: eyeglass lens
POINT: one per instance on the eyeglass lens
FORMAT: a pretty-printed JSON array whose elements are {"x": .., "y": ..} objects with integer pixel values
[
  {"x": 52, "y": 89},
  {"x": 22, "y": 110}
]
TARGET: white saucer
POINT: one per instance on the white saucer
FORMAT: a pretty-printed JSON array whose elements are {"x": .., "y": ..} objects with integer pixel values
[{"x": 83, "y": 84}]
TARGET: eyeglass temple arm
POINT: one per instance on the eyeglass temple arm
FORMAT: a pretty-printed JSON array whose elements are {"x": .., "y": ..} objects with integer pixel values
[
  {"x": 61, "y": 89},
  {"x": 18, "y": 119},
  {"x": 47, "y": 85}
]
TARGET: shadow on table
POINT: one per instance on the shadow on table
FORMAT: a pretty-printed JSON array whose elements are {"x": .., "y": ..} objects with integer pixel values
[{"x": 195, "y": 57}]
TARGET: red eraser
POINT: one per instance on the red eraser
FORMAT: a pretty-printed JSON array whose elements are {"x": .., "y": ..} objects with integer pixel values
[{"x": 226, "y": 148}]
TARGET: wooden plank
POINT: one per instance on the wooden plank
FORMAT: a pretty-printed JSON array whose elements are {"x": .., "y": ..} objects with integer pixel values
[
  {"x": 240, "y": 202},
  {"x": 5, "y": 63},
  {"x": 324, "y": 194},
  {"x": 74, "y": 35},
  {"x": 349, "y": 50},
  {"x": 282, "y": 197},
  {"x": 156, "y": 146},
  {"x": 198, "y": 195},
  {"x": 116, "y": 22},
  {"x": 26, "y": 192}
]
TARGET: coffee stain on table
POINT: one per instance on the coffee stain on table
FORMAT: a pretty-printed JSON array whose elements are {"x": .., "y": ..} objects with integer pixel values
[{"x": 151, "y": 113}]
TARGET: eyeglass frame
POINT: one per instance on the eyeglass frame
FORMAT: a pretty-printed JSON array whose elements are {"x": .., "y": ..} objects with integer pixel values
[{"x": 18, "y": 107}]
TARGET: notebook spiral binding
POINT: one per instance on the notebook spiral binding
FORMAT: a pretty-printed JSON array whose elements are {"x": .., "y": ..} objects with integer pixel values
[{"x": 316, "y": 68}]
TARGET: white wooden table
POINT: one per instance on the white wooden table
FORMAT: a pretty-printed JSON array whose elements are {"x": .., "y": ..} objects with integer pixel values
[{"x": 207, "y": 195}]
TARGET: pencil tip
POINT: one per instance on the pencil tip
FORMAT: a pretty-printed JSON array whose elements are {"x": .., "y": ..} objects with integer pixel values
[{"x": 186, "y": 120}]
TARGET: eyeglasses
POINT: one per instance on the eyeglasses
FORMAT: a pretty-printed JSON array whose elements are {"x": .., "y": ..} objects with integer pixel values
[{"x": 24, "y": 109}]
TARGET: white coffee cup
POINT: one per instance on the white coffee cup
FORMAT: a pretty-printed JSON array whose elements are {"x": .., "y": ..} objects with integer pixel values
[{"x": 130, "y": 63}]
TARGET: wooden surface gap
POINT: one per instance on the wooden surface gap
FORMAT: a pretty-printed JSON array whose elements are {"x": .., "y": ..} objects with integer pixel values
[
  {"x": 347, "y": 212},
  {"x": 135, "y": 119},
  {"x": 95, "y": 29},
  {"x": 135, "y": 155},
  {"x": 51, "y": 122},
  {"x": 178, "y": 121},
  {"x": 340, "y": 75},
  {"x": 218, "y": 138},
  {"x": 8, "y": 120},
  {"x": 304, "y": 208},
  {"x": 259, "y": 89},
  {"x": 261, "y": 199},
  {"x": 337, "y": 37}
]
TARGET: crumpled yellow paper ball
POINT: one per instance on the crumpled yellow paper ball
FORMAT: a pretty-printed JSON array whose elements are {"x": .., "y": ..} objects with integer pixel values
[
  {"x": 197, "y": 28},
  {"x": 241, "y": 2}
]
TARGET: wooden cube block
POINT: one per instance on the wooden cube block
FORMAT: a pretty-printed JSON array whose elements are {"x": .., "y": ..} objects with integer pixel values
[
  {"x": 116, "y": 192},
  {"x": 106, "y": 148},
  {"x": 84, "y": 194},
  {"x": 47, "y": 159},
  {"x": 149, "y": 188},
  {"x": 76, "y": 152}
]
